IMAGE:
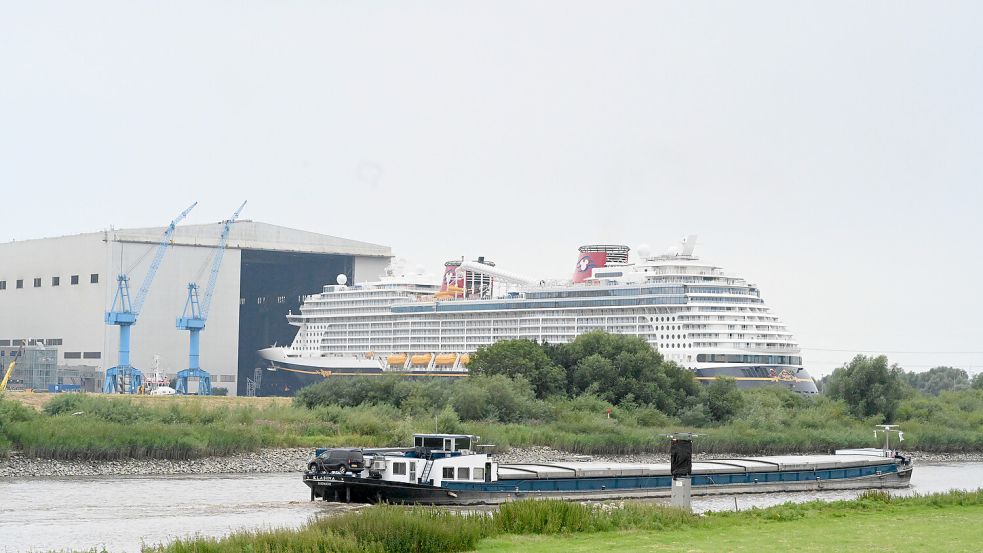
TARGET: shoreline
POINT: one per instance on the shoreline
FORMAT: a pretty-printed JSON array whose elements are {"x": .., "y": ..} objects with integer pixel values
[{"x": 279, "y": 460}]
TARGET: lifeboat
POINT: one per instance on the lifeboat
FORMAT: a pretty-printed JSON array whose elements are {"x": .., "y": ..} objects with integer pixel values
[
  {"x": 396, "y": 360},
  {"x": 421, "y": 359},
  {"x": 446, "y": 358},
  {"x": 465, "y": 359}
]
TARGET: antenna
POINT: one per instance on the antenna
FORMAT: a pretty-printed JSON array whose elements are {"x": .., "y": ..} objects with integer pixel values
[{"x": 887, "y": 429}]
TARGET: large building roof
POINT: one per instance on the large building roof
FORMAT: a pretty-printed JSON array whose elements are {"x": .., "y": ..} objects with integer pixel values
[
  {"x": 250, "y": 235},
  {"x": 253, "y": 235}
]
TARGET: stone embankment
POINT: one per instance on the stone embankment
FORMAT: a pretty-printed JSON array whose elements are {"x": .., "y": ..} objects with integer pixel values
[
  {"x": 263, "y": 461},
  {"x": 295, "y": 460}
]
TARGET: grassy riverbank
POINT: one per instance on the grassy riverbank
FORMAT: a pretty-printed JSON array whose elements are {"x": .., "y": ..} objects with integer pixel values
[
  {"x": 77, "y": 426},
  {"x": 874, "y": 521}
]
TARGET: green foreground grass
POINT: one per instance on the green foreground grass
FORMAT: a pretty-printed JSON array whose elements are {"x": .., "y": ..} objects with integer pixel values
[
  {"x": 874, "y": 521},
  {"x": 919, "y": 529}
]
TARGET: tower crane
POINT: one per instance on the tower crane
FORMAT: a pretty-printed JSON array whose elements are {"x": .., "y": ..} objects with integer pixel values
[
  {"x": 124, "y": 378},
  {"x": 196, "y": 313}
]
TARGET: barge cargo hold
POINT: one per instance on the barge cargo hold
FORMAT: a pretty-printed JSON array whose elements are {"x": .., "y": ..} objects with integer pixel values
[{"x": 443, "y": 470}]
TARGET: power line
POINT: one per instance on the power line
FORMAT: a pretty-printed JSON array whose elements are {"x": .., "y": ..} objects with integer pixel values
[{"x": 886, "y": 351}]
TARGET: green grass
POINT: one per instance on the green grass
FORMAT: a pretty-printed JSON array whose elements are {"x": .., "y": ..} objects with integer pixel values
[
  {"x": 874, "y": 521},
  {"x": 902, "y": 526},
  {"x": 928, "y": 530},
  {"x": 771, "y": 421}
]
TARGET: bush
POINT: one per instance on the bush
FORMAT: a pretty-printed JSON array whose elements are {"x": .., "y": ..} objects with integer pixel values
[
  {"x": 937, "y": 380},
  {"x": 722, "y": 399},
  {"x": 520, "y": 358},
  {"x": 448, "y": 422},
  {"x": 220, "y": 391},
  {"x": 868, "y": 386},
  {"x": 496, "y": 398}
]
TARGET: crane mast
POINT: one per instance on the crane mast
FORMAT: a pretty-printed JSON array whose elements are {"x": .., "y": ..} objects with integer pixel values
[
  {"x": 124, "y": 378},
  {"x": 196, "y": 313}
]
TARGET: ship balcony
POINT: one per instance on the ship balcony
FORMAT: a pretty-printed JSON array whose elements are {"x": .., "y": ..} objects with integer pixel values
[{"x": 790, "y": 348}]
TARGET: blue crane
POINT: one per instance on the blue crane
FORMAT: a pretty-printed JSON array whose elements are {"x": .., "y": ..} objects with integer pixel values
[
  {"x": 124, "y": 378},
  {"x": 196, "y": 313}
]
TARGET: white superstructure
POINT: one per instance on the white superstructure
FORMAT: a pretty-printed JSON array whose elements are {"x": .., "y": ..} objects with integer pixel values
[{"x": 695, "y": 313}]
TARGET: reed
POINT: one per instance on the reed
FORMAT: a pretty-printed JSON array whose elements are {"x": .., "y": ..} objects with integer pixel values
[
  {"x": 86, "y": 426},
  {"x": 410, "y": 530}
]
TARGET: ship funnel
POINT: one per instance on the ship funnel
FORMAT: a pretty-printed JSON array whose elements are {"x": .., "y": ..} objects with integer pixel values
[{"x": 596, "y": 256}]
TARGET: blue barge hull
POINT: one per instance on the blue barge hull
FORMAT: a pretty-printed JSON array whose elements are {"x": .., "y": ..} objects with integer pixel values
[{"x": 726, "y": 476}]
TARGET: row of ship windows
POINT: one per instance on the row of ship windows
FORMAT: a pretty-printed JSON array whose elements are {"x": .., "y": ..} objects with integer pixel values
[
  {"x": 720, "y": 290},
  {"x": 733, "y": 318},
  {"x": 476, "y": 332},
  {"x": 765, "y": 359},
  {"x": 497, "y": 319},
  {"x": 503, "y": 306},
  {"x": 382, "y": 327},
  {"x": 478, "y": 316},
  {"x": 461, "y": 323},
  {"x": 348, "y": 306},
  {"x": 446, "y": 310},
  {"x": 598, "y": 293},
  {"x": 55, "y": 281}
]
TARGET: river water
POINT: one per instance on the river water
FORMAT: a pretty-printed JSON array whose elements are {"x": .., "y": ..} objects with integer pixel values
[{"x": 121, "y": 513}]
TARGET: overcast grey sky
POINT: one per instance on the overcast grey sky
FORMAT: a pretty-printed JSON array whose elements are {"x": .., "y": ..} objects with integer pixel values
[{"x": 828, "y": 151}]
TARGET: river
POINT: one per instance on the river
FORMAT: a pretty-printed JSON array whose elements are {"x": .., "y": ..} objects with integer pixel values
[{"x": 121, "y": 513}]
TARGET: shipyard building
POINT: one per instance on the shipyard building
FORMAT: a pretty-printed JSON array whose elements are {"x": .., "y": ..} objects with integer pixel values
[{"x": 54, "y": 293}]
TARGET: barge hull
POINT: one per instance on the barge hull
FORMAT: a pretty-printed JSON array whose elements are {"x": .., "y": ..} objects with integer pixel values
[{"x": 360, "y": 490}]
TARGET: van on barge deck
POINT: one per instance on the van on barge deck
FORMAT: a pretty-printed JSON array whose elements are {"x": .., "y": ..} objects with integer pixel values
[{"x": 444, "y": 469}]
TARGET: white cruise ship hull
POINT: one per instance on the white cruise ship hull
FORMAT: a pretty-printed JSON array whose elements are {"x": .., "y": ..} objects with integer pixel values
[{"x": 343, "y": 365}]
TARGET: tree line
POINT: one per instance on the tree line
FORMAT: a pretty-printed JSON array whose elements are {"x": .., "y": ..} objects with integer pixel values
[{"x": 522, "y": 380}]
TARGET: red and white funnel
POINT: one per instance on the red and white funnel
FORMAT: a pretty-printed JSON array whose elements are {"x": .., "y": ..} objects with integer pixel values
[{"x": 596, "y": 256}]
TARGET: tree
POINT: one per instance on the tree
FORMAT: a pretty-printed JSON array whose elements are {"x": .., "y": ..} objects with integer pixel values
[
  {"x": 868, "y": 386},
  {"x": 938, "y": 380},
  {"x": 614, "y": 367},
  {"x": 978, "y": 382},
  {"x": 617, "y": 366},
  {"x": 722, "y": 399},
  {"x": 523, "y": 358}
]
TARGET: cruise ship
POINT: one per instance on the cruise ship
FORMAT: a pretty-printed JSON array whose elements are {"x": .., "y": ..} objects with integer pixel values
[{"x": 694, "y": 313}]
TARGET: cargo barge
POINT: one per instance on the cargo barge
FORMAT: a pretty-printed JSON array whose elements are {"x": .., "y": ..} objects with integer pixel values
[{"x": 447, "y": 469}]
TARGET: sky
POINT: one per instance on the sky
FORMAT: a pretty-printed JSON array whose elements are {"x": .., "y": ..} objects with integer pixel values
[{"x": 829, "y": 152}]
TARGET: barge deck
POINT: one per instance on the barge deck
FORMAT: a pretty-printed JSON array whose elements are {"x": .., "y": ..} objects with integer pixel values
[{"x": 453, "y": 475}]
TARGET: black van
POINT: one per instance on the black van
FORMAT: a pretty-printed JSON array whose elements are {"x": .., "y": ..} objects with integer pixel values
[{"x": 337, "y": 460}]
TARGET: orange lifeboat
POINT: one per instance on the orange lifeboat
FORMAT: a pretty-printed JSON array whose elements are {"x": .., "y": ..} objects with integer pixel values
[
  {"x": 465, "y": 359},
  {"x": 446, "y": 358},
  {"x": 396, "y": 360},
  {"x": 421, "y": 359}
]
